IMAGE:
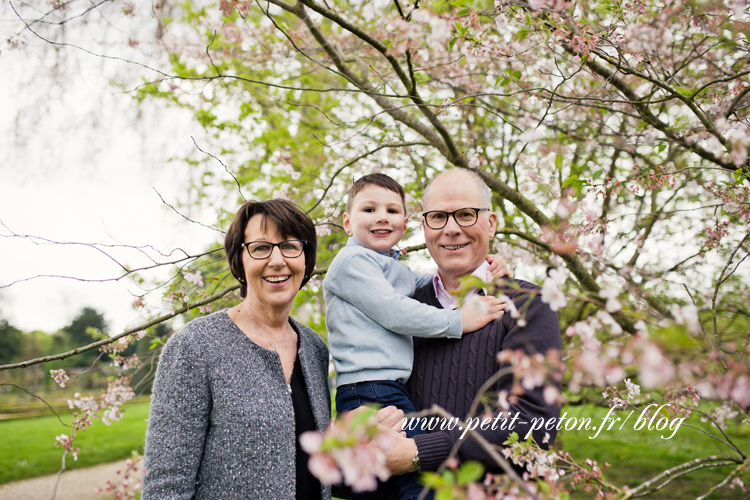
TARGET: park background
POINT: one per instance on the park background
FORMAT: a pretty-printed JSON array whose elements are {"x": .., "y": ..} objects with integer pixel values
[{"x": 614, "y": 136}]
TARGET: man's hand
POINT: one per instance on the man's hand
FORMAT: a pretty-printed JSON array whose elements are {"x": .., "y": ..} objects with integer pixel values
[
  {"x": 400, "y": 458},
  {"x": 498, "y": 268}
]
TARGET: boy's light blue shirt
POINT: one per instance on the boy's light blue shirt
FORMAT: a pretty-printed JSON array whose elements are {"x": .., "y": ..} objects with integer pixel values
[{"x": 371, "y": 316}]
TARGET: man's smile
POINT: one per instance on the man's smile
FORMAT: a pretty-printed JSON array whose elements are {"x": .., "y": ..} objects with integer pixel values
[{"x": 454, "y": 247}]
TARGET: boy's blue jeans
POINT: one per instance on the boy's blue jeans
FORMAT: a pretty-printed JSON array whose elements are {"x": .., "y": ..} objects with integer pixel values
[{"x": 383, "y": 393}]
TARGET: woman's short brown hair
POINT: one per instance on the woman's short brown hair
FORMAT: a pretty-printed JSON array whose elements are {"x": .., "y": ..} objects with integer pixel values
[{"x": 291, "y": 222}]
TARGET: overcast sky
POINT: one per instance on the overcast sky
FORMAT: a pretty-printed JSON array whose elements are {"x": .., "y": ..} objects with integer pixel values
[{"x": 80, "y": 162}]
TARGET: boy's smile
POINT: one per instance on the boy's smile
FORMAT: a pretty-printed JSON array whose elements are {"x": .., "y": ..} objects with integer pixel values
[{"x": 376, "y": 219}]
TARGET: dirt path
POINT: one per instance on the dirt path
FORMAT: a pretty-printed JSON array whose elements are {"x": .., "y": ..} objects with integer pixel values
[{"x": 79, "y": 484}]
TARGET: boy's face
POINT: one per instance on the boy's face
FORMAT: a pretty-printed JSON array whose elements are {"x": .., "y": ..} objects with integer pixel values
[{"x": 376, "y": 218}]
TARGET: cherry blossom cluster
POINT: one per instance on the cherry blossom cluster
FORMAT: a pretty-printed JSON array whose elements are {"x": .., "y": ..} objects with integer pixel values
[
  {"x": 715, "y": 233},
  {"x": 65, "y": 442},
  {"x": 680, "y": 400},
  {"x": 552, "y": 293},
  {"x": 536, "y": 462},
  {"x": 128, "y": 482},
  {"x": 196, "y": 278},
  {"x": 228, "y": 6},
  {"x": 469, "y": 480},
  {"x": 529, "y": 372},
  {"x": 721, "y": 414},
  {"x": 87, "y": 409},
  {"x": 60, "y": 377},
  {"x": 352, "y": 450},
  {"x": 115, "y": 348},
  {"x": 621, "y": 399},
  {"x": 589, "y": 474}
]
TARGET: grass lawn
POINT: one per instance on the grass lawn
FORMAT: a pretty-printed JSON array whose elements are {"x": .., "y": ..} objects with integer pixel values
[
  {"x": 27, "y": 447},
  {"x": 27, "y": 450},
  {"x": 637, "y": 456}
]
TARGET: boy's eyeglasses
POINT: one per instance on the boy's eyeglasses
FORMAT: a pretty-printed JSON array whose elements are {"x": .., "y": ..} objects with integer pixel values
[
  {"x": 263, "y": 249},
  {"x": 464, "y": 217}
]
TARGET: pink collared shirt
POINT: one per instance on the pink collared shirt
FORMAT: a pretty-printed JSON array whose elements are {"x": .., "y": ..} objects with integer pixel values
[{"x": 449, "y": 301}]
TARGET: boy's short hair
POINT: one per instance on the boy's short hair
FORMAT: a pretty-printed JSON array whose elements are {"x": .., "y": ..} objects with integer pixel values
[{"x": 380, "y": 180}]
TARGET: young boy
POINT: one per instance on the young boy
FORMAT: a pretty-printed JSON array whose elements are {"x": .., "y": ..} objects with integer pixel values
[{"x": 370, "y": 316}]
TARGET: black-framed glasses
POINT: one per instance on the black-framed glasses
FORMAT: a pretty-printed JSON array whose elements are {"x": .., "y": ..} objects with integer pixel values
[
  {"x": 464, "y": 217},
  {"x": 263, "y": 249}
]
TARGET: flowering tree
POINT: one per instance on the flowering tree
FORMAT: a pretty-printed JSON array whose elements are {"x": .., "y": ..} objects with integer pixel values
[{"x": 614, "y": 136}]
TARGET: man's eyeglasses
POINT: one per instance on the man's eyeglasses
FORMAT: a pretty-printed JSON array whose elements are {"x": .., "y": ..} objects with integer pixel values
[
  {"x": 464, "y": 217},
  {"x": 263, "y": 249}
]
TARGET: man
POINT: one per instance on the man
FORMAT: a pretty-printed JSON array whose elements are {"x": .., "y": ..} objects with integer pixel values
[{"x": 449, "y": 372}]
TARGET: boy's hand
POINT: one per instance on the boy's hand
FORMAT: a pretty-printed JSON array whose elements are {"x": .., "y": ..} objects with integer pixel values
[
  {"x": 478, "y": 311},
  {"x": 498, "y": 268},
  {"x": 391, "y": 418}
]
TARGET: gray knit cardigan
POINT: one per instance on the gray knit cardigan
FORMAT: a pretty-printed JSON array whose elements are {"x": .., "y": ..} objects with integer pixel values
[{"x": 221, "y": 424}]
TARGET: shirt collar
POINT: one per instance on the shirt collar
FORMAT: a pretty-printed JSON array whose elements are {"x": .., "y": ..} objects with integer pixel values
[
  {"x": 395, "y": 254},
  {"x": 449, "y": 301}
]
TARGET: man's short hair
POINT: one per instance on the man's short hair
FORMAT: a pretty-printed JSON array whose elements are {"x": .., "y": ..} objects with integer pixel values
[
  {"x": 380, "y": 180},
  {"x": 485, "y": 193}
]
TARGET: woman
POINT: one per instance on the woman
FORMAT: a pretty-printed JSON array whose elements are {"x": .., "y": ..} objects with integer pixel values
[{"x": 235, "y": 389}]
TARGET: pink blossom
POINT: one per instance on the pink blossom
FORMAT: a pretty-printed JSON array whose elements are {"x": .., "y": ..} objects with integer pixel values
[
  {"x": 551, "y": 293},
  {"x": 60, "y": 377},
  {"x": 647, "y": 38},
  {"x": 194, "y": 278},
  {"x": 167, "y": 302},
  {"x": 510, "y": 306},
  {"x": 475, "y": 492},
  {"x": 611, "y": 294},
  {"x": 311, "y": 441},
  {"x": 111, "y": 415},
  {"x": 741, "y": 392},
  {"x": 688, "y": 316},
  {"x": 633, "y": 389},
  {"x": 551, "y": 395},
  {"x": 583, "y": 329},
  {"x": 655, "y": 369},
  {"x": 324, "y": 468}
]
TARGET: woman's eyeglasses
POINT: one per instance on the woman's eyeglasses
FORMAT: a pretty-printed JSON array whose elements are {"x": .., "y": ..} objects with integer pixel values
[{"x": 263, "y": 249}]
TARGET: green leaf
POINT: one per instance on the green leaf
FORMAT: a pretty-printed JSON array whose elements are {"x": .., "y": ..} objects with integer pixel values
[
  {"x": 570, "y": 180},
  {"x": 687, "y": 92},
  {"x": 738, "y": 175},
  {"x": 505, "y": 82},
  {"x": 433, "y": 480},
  {"x": 470, "y": 472},
  {"x": 597, "y": 174},
  {"x": 681, "y": 122},
  {"x": 559, "y": 162},
  {"x": 452, "y": 42},
  {"x": 661, "y": 147},
  {"x": 463, "y": 12},
  {"x": 362, "y": 417}
]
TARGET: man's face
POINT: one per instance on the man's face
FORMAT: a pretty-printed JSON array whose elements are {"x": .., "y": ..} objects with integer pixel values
[{"x": 457, "y": 250}]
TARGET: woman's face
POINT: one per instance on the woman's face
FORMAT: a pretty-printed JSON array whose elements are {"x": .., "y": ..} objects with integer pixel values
[{"x": 275, "y": 280}]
